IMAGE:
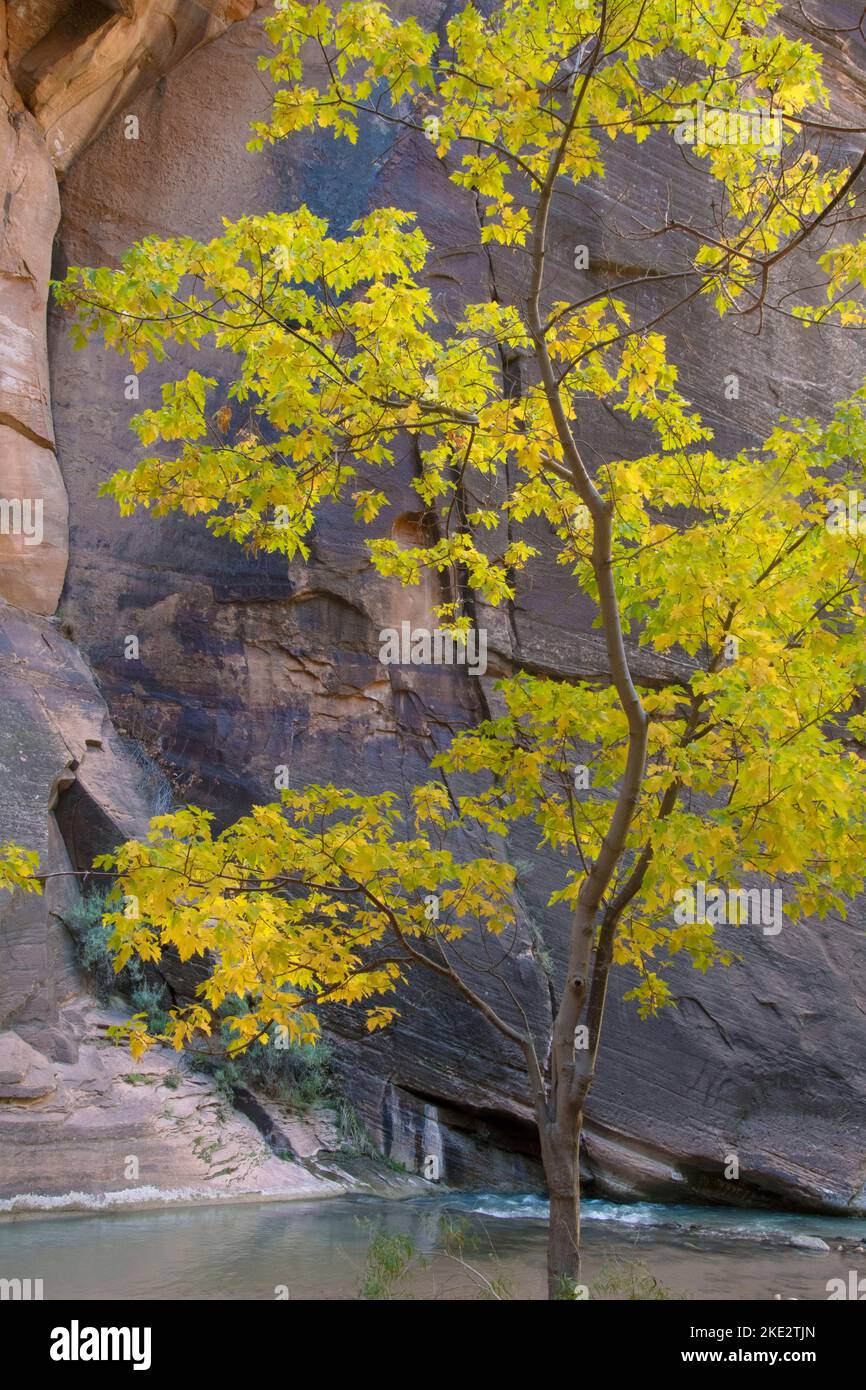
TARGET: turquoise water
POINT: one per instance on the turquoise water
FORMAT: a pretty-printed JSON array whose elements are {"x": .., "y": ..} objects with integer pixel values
[
  {"x": 732, "y": 1221},
  {"x": 320, "y": 1250}
]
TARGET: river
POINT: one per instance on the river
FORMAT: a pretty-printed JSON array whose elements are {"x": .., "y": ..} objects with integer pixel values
[{"x": 321, "y": 1250}]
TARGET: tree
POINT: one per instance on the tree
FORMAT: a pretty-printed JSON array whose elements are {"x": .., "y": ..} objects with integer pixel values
[{"x": 668, "y": 808}]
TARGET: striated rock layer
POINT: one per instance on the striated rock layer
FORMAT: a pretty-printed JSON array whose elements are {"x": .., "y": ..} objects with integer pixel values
[
  {"x": 244, "y": 665},
  {"x": 106, "y": 1125},
  {"x": 65, "y": 71},
  {"x": 70, "y": 783}
]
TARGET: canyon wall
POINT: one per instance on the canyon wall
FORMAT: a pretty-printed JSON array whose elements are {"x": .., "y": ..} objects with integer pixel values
[
  {"x": 70, "y": 781},
  {"x": 246, "y": 663}
]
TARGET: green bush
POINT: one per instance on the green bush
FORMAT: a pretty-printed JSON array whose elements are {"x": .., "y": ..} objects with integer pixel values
[
  {"x": 295, "y": 1074},
  {"x": 389, "y": 1259},
  {"x": 355, "y": 1138},
  {"x": 628, "y": 1279},
  {"x": 150, "y": 999},
  {"x": 90, "y": 935}
]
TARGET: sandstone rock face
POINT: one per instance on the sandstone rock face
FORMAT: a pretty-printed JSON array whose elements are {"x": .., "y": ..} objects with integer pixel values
[
  {"x": 74, "y": 1108},
  {"x": 106, "y": 1125},
  {"x": 246, "y": 664},
  {"x": 76, "y": 67},
  {"x": 61, "y": 762},
  {"x": 33, "y": 509},
  {"x": 93, "y": 62},
  {"x": 24, "y": 1073},
  {"x": 70, "y": 784}
]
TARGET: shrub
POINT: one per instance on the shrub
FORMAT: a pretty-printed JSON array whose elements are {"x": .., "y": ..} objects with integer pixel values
[{"x": 90, "y": 935}]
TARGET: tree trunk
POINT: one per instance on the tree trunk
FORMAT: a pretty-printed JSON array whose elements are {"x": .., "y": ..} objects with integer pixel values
[{"x": 560, "y": 1153}]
